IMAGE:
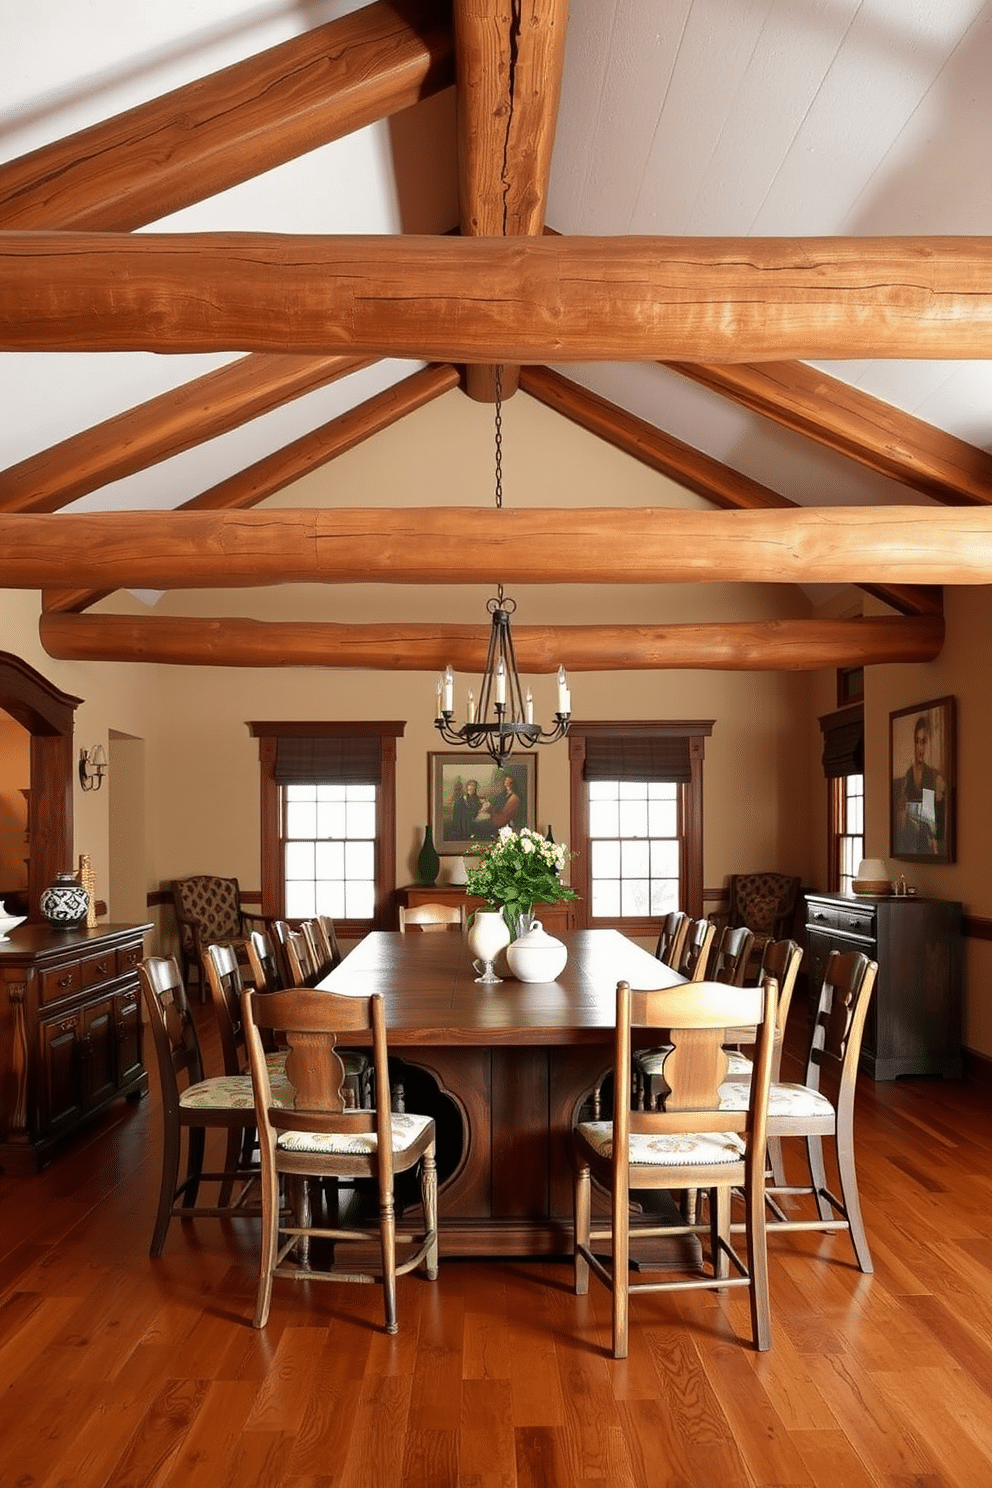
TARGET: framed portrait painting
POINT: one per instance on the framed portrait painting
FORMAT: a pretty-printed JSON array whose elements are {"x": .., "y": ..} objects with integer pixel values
[
  {"x": 922, "y": 772},
  {"x": 471, "y": 798}
]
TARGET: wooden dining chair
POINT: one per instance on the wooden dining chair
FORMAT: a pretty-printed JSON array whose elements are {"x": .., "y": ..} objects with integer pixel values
[
  {"x": 729, "y": 955},
  {"x": 263, "y": 964},
  {"x": 696, "y": 950},
  {"x": 805, "y": 1110},
  {"x": 691, "y": 1144},
  {"x": 192, "y": 1105},
  {"x": 432, "y": 917},
  {"x": 297, "y": 946},
  {"x": 671, "y": 938},
  {"x": 323, "y": 1136}
]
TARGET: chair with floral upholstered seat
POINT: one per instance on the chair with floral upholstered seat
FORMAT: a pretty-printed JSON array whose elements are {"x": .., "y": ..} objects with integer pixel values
[
  {"x": 193, "y": 1104},
  {"x": 323, "y": 1136}
]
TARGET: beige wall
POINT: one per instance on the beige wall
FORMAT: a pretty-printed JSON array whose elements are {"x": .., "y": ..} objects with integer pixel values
[{"x": 15, "y": 776}]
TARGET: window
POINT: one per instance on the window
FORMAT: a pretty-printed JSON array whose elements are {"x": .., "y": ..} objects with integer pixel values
[
  {"x": 849, "y": 828},
  {"x": 636, "y": 825},
  {"x": 634, "y": 848},
  {"x": 329, "y": 821},
  {"x": 328, "y": 850},
  {"x": 843, "y": 766}
]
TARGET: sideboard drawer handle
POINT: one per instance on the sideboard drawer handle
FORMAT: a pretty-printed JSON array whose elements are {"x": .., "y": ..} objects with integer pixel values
[{"x": 65, "y": 981}]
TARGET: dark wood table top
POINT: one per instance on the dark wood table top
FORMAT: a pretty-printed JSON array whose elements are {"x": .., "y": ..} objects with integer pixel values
[{"x": 432, "y": 997}]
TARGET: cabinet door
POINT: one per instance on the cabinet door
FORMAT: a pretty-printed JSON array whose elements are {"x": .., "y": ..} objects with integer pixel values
[
  {"x": 97, "y": 1052},
  {"x": 59, "y": 1101},
  {"x": 127, "y": 1018}
]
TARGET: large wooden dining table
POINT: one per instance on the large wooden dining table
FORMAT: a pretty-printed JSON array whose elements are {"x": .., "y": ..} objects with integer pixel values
[{"x": 503, "y": 1069}]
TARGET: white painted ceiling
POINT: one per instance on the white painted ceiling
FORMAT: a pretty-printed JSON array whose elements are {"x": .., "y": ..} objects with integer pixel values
[{"x": 702, "y": 117}]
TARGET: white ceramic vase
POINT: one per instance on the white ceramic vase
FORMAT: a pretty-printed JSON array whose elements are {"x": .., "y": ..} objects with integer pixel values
[
  {"x": 536, "y": 956},
  {"x": 488, "y": 935}
]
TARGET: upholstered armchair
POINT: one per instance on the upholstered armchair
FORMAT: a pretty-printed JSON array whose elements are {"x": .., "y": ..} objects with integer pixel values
[
  {"x": 766, "y": 904},
  {"x": 208, "y": 911}
]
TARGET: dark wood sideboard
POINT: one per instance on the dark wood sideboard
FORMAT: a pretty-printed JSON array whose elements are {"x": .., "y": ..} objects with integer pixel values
[
  {"x": 70, "y": 1033},
  {"x": 914, "y": 1021},
  {"x": 554, "y": 917}
]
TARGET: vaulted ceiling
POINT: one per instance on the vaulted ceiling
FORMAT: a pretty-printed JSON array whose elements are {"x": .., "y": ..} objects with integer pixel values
[{"x": 748, "y": 241}]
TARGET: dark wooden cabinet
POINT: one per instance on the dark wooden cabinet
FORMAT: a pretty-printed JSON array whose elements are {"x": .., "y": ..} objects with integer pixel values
[
  {"x": 914, "y": 1021},
  {"x": 70, "y": 1033}
]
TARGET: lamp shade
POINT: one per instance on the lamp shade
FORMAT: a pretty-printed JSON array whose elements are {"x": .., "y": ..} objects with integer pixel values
[{"x": 872, "y": 877}]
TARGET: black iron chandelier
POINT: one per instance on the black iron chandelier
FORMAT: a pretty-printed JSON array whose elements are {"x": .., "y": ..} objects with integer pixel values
[{"x": 504, "y": 715}]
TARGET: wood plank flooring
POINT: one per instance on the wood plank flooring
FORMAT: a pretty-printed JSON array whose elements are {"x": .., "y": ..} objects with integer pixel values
[{"x": 120, "y": 1372}]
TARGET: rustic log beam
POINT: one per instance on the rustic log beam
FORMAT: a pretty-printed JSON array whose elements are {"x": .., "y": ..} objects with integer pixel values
[
  {"x": 223, "y": 129},
  {"x": 509, "y": 61},
  {"x": 499, "y": 299},
  {"x": 472, "y": 545},
  {"x": 165, "y": 426},
  {"x": 771, "y": 645},
  {"x": 687, "y": 466},
  {"x": 853, "y": 423},
  {"x": 276, "y": 471}
]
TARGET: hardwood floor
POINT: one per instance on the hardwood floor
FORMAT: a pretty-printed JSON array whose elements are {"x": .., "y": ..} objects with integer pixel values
[{"x": 117, "y": 1370}]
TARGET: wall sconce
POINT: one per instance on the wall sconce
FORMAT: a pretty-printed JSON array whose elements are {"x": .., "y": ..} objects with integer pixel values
[{"x": 92, "y": 767}]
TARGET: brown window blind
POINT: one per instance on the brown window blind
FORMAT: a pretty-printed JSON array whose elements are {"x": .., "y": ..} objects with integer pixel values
[
  {"x": 344, "y": 760},
  {"x": 633, "y": 757}
]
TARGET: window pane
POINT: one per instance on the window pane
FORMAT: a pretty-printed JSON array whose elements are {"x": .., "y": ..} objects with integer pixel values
[
  {"x": 359, "y": 901},
  {"x": 605, "y": 897},
  {"x": 635, "y": 897},
  {"x": 301, "y": 818},
  {"x": 665, "y": 860},
  {"x": 361, "y": 819},
  {"x": 332, "y": 819},
  {"x": 663, "y": 818},
  {"x": 605, "y": 859},
  {"x": 664, "y": 895},
  {"x": 604, "y": 819},
  {"x": 299, "y": 860},
  {"x": 634, "y": 818},
  {"x": 300, "y": 901},
  {"x": 635, "y": 858}
]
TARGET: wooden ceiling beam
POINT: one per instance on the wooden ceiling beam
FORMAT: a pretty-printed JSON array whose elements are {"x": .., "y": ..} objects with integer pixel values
[
  {"x": 855, "y": 424},
  {"x": 165, "y": 426},
  {"x": 254, "y": 484},
  {"x": 780, "y": 645},
  {"x": 688, "y": 467},
  {"x": 544, "y": 299},
  {"x": 234, "y": 124},
  {"x": 469, "y": 545},
  {"x": 509, "y": 61}
]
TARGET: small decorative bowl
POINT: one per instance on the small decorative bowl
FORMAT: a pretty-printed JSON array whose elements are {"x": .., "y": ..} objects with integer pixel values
[
  {"x": 8, "y": 923},
  {"x": 876, "y": 886}
]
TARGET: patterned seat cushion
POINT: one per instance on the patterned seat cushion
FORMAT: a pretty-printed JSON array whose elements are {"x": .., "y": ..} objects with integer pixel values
[
  {"x": 783, "y": 1100},
  {"x": 233, "y": 1093},
  {"x": 739, "y": 1067},
  {"x": 406, "y": 1130},
  {"x": 661, "y": 1149}
]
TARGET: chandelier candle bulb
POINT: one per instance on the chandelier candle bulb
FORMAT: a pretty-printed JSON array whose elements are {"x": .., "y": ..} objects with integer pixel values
[
  {"x": 500, "y": 684},
  {"x": 449, "y": 690},
  {"x": 564, "y": 695},
  {"x": 530, "y": 706},
  {"x": 470, "y": 706}
]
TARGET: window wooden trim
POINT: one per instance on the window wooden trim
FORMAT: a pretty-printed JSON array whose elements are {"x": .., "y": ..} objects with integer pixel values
[
  {"x": 270, "y": 805},
  {"x": 690, "y": 813}
]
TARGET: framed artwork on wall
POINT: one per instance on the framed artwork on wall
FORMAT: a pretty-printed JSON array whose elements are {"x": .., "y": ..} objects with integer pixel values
[
  {"x": 471, "y": 798},
  {"x": 922, "y": 772}
]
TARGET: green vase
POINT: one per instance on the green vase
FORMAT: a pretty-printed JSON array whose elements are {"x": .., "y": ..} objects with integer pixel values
[{"x": 428, "y": 862}]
